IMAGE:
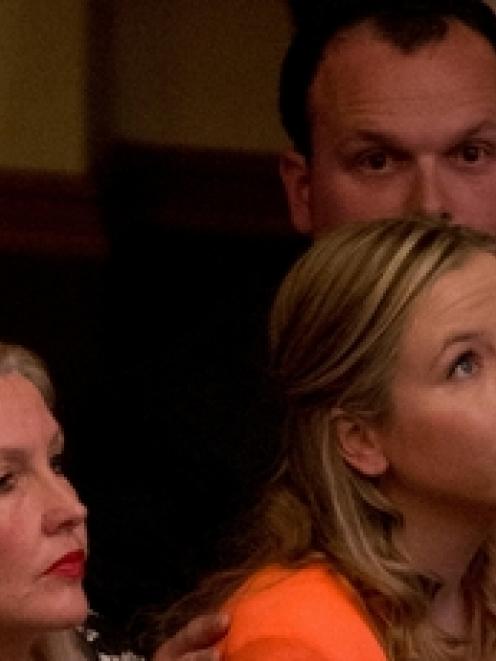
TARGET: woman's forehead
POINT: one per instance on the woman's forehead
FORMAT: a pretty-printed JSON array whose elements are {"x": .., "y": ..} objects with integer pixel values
[{"x": 25, "y": 419}]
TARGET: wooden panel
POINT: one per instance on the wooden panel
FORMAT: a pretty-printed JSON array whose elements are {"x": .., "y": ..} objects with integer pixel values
[
  {"x": 44, "y": 213},
  {"x": 205, "y": 191},
  {"x": 231, "y": 192}
]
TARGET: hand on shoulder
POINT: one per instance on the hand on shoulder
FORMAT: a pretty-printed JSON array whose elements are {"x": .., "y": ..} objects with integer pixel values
[{"x": 196, "y": 641}]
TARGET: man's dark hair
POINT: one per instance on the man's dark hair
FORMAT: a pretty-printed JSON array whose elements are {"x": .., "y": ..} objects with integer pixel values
[{"x": 406, "y": 24}]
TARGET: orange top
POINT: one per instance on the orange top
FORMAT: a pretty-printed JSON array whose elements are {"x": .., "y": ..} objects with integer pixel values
[{"x": 305, "y": 614}]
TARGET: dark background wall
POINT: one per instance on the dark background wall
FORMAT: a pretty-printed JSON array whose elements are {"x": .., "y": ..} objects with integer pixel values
[
  {"x": 154, "y": 331},
  {"x": 142, "y": 234},
  {"x": 193, "y": 422}
]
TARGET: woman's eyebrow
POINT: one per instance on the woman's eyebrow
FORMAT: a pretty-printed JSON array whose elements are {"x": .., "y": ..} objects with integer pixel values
[
  {"x": 17, "y": 454},
  {"x": 13, "y": 454},
  {"x": 457, "y": 338}
]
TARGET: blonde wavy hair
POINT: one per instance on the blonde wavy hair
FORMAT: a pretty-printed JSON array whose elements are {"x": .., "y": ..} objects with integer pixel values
[{"x": 335, "y": 328}]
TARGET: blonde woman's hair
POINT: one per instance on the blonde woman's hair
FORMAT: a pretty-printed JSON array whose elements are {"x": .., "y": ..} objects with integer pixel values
[{"x": 335, "y": 327}]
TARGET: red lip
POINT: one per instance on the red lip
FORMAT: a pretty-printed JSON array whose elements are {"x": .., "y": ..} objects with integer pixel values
[{"x": 70, "y": 565}]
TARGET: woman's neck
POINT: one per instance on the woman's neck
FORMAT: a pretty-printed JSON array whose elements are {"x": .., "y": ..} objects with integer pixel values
[
  {"x": 449, "y": 612},
  {"x": 443, "y": 544},
  {"x": 16, "y": 645}
]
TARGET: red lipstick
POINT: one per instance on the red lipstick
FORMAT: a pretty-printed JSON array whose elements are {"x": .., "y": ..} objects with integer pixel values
[{"x": 70, "y": 565}]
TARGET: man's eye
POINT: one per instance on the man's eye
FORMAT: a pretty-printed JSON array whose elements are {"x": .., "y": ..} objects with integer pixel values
[
  {"x": 469, "y": 153},
  {"x": 6, "y": 482},
  {"x": 378, "y": 161},
  {"x": 374, "y": 161}
]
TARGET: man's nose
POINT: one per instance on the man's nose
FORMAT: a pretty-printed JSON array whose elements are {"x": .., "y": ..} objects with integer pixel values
[
  {"x": 62, "y": 508},
  {"x": 427, "y": 194}
]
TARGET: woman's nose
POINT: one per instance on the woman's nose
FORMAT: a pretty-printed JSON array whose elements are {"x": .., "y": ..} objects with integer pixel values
[{"x": 63, "y": 509}]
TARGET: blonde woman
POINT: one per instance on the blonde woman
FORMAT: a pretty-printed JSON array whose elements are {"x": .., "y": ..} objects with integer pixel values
[{"x": 374, "y": 540}]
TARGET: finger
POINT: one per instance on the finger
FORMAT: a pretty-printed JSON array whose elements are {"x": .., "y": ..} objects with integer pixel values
[
  {"x": 204, "y": 655},
  {"x": 200, "y": 634}
]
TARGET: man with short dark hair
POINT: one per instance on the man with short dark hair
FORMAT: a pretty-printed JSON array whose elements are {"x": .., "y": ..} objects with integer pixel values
[{"x": 391, "y": 107}]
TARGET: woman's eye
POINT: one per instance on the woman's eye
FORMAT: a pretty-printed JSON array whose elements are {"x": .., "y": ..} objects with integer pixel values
[
  {"x": 57, "y": 464},
  {"x": 465, "y": 365}
]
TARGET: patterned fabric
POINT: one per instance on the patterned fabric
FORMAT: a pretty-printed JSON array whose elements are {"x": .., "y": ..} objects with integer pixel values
[
  {"x": 125, "y": 656},
  {"x": 91, "y": 636}
]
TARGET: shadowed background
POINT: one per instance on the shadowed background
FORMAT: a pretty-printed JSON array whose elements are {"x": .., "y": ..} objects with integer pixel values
[{"x": 143, "y": 231}]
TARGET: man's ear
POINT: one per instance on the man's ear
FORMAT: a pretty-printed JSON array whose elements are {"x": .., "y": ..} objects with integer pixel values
[
  {"x": 359, "y": 443},
  {"x": 295, "y": 176}
]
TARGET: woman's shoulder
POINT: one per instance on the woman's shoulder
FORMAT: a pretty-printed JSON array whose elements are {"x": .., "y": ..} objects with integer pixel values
[
  {"x": 281, "y": 591},
  {"x": 310, "y": 608}
]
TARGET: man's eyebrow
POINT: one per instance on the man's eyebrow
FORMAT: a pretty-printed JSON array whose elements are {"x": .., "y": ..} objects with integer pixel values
[
  {"x": 486, "y": 125},
  {"x": 391, "y": 141},
  {"x": 372, "y": 136}
]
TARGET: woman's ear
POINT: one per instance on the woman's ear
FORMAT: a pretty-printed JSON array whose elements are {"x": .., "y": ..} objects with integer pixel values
[{"x": 359, "y": 443}]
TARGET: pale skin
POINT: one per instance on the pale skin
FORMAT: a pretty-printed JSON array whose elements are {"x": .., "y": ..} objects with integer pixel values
[
  {"x": 392, "y": 134},
  {"x": 436, "y": 456},
  {"x": 396, "y": 133},
  {"x": 41, "y": 520}
]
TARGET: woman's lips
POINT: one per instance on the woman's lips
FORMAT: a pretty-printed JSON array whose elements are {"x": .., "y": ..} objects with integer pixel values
[{"x": 70, "y": 565}]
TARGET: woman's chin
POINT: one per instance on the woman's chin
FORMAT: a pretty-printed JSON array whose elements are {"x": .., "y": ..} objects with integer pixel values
[{"x": 70, "y": 611}]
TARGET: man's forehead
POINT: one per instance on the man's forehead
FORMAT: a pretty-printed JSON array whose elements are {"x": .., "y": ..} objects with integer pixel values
[
  {"x": 360, "y": 68},
  {"x": 407, "y": 36},
  {"x": 366, "y": 39}
]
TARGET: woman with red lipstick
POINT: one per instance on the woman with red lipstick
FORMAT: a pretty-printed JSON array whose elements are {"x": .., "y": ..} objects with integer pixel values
[
  {"x": 42, "y": 521},
  {"x": 43, "y": 543}
]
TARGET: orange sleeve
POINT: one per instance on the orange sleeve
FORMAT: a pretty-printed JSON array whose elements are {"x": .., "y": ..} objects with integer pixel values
[{"x": 302, "y": 615}]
